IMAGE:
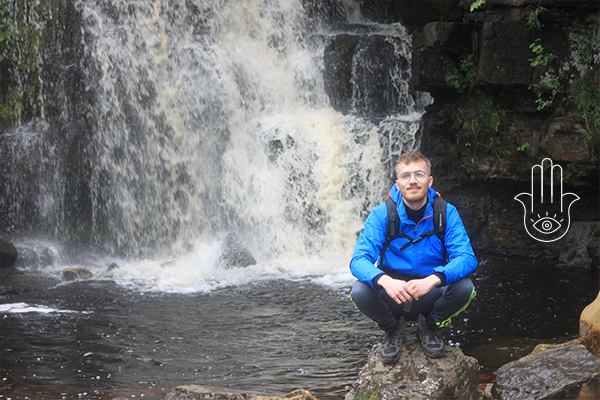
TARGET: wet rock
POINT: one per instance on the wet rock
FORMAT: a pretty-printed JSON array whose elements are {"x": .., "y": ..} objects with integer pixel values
[
  {"x": 434, "y": 46},
  {"x": 234, "y": 254},
  {"x": 338, "y": 77},
  {"x": 37, "y": 255},
  {"x": 71, "y": 274},
  {"x": 589, "y": 327},
  {"x": 565, "y": 141},
  {"x": 504, "y": 54},
  {"x": 416, "y": 377},
  {"x": 358, "y": 78},
  {"x": 557, "y": 372},
  {"x": 113, "y": 266},
  {"x": 195, "y": 392},
  {"x": 8, "y": 254},
  {"x": 581, "y": 245}
]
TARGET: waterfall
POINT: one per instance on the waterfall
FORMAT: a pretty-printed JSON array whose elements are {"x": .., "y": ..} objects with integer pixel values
[{"x": 207, "y": 117}]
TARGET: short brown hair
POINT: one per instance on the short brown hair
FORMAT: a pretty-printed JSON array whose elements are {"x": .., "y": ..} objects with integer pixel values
[{"x": 411, "y": 156}]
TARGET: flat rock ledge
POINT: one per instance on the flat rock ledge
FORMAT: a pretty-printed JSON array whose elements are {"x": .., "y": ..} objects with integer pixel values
[
  {"x": 565, "y": 371},
  {"x": 416, "y": 377},
  {"x": 195, "y": 392}
]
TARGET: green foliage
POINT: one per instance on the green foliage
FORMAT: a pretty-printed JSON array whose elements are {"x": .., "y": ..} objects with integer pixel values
[
  {"x": 581, "y": 94},
  {"x": 476, "y": 4},
  {"x": 584, "y": 96},
  {"x": 533, "y": 20},
  {"x": 550, "y": 85},
  {"x": 523, "y": 147},
  {"x": 541, "y": 58},
  {"x": 461, "y": 76},
  {"x": 587, "y": 47},
  {"x": 548, "y": 88},
  {"x": 483, "y": 126}
]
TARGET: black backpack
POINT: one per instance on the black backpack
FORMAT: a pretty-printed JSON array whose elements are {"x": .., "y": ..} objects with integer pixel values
[{"x": 392, "y": 230}]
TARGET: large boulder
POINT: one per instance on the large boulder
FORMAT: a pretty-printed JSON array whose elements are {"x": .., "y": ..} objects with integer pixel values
[
  {"x": 8, "y": 254},
  {"x": 196, "y": 392},
  {"x": 416, "y": 377},
  {"x": 556, "y": 372},
  {"x": 589, "y": 327}
]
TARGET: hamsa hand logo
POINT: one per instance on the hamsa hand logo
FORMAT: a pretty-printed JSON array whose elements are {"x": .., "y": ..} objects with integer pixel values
[{"x": 547, "y": 209}]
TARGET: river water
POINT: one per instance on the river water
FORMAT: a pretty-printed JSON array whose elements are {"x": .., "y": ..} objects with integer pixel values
[{"x": 263, "y": 329}]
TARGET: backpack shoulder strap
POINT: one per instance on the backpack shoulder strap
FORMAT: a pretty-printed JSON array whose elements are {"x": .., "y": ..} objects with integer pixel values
[
  {"x": 439, "y": 217},
  {"x": 393, "y": 224}
]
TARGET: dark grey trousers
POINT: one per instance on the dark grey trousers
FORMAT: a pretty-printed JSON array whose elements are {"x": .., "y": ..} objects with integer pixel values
[{"x": 440, "y": 305}]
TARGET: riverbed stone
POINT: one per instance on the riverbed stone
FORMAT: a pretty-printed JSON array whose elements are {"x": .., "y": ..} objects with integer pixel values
[
  {"x": 589, "y": 327},
  {"x": 416, "y": 377},
  {"x": 8, "y": 254},
  {"x": 197, "y": 392},
  {"x": 71, "y": 274},
  {"x": 556, "y": 372}
]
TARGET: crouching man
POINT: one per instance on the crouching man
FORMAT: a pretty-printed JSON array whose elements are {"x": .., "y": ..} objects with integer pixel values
[{"x": 422, "y": 273}]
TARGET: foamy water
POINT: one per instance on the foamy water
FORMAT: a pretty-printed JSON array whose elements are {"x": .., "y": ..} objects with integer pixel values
[{"x": 24, "y": 308}]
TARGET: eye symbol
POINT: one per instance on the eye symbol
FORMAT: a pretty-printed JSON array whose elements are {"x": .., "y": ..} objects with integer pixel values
[{"x": 547, "y": 225}]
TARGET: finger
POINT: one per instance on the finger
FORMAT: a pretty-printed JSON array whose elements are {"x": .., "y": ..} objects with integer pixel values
[
  {"x": 556, "y": 185},
  {"x": 537, "y": 183},
  {"x": 413, "y": 293}
]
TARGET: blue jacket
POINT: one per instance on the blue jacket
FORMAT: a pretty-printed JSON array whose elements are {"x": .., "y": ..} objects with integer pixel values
[{"x": 420, "y": 259}]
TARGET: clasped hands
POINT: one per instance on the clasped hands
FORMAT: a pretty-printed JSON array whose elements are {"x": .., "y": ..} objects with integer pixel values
[{"x": 406, "y": 291}]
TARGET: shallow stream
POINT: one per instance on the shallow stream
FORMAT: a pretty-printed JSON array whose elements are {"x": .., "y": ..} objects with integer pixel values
[{"x": 102, "y": 338}]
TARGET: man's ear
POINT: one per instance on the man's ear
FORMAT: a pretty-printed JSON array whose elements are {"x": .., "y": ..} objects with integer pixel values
[
  {"x": 430, "y": 181},
  {"x": 397, "y": 185}
]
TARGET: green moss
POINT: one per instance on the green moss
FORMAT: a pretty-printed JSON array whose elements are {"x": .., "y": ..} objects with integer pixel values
[{"x": 25, "y": 31}]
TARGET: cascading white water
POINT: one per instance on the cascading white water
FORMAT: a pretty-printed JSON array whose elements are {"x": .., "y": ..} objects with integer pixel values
[{"x": 212, "y": 117}]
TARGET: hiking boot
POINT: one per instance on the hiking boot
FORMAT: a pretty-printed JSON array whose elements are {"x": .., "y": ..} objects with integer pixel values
[
  {"x": 392, "y": 343},
  {"x": 433, "y": 345}
]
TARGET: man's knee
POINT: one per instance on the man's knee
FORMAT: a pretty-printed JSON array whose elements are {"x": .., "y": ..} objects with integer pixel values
[
  {"x": 361, "y": 293},
  {"x": 462, "y": 289}
]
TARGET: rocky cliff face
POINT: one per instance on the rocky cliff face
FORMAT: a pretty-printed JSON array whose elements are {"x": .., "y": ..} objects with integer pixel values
[{"x": 513, "y": 82}]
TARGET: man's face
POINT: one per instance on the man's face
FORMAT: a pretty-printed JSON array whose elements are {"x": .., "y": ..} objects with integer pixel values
[{"x": 413, "y": 180}]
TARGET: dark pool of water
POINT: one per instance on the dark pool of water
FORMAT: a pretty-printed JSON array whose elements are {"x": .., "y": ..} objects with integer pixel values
[{"x": 271, "y": 337}]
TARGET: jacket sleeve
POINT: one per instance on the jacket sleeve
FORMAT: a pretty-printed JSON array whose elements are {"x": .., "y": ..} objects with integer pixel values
[
  {"x": 369, "y": 245},
  {"x": 462, "y": 260}
]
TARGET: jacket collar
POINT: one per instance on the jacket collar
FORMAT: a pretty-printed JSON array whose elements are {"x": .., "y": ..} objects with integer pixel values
[{"x": 401, "y": 207}]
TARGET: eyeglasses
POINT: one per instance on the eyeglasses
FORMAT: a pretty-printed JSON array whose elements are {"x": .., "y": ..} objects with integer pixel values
[{"x": 419, "y": 175}]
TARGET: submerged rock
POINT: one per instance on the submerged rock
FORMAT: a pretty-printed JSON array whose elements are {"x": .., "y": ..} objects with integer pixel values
[
  {"x": 416, "y": 377},
  {"x": 195, "y": 392},
  {"x": 557, "y": 372},
  {"x": 8, "y": 254},
  {"x": 71, "y": 274},
  {"x": 234, "y": 254}
]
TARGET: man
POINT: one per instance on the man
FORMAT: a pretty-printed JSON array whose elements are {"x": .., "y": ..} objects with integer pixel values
[{"x": 423, "y": 279}]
